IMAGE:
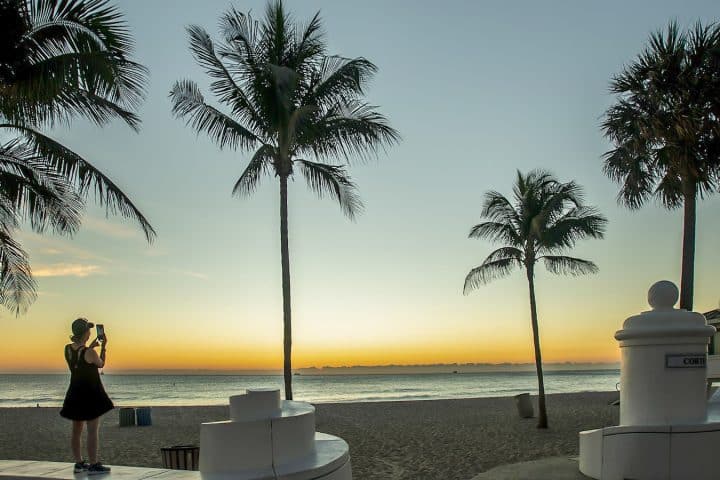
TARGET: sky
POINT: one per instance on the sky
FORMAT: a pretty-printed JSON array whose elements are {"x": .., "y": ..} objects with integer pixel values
[{"x": 477, "y": 90}]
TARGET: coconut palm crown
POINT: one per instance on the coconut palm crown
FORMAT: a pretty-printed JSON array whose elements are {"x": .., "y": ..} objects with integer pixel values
[
  {"x": 296, "y": 108},
  {"x": 544, "y": 219},
  {"x": 665, "y": 127},
  {"x": 59, "y": 60}
]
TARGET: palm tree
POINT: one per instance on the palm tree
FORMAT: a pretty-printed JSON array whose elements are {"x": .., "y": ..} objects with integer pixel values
[
  {"x": 59, "y": 59},
  {"x": 665, "y": 127},
  {"x": 291, "y": 104},
  {"x": 546, "y": 218}
]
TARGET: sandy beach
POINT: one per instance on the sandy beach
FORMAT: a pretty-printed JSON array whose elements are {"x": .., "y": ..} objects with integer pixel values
[{"x": 435, "y": 439}]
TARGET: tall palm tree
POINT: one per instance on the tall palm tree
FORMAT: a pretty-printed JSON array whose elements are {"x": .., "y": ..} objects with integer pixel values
[
  {"x": 59, "y": 59},
  {"x": 547, "y": 218},
  {"x": 665, "y": 127},
  {"x": 291, "y": 104}
]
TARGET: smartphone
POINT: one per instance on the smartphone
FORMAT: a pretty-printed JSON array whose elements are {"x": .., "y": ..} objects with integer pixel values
[{"x": 100, "y": 329}]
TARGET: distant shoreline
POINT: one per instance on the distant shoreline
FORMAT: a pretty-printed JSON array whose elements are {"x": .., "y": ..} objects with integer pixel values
[
  {"x": 358, "y": 370},
  {"x": 344, "y": 374},
  {"x": 349, "y": 403}
]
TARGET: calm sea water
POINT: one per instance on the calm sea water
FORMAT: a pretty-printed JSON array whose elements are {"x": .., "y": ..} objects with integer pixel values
[{"x": 133, "y": 390}]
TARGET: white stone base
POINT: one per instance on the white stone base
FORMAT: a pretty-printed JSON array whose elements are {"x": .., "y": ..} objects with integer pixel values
[
  {"x": 675, "y": 452},
  {"x": 257, "y": 404},
  {"x": 331, "y": 461},
  {"x": 270, "y": 439},
  {"x": 591, "y": 442}
]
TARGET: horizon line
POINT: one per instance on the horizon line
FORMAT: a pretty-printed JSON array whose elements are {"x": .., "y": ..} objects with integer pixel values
[{"x": 353, "y": 369}]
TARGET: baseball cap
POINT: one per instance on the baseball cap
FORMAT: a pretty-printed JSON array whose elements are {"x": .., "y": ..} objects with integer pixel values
[{"x": 80, "y": 326}]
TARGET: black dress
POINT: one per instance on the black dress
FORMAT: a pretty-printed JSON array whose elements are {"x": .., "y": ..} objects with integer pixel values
[{"x": 85, "y": 398}]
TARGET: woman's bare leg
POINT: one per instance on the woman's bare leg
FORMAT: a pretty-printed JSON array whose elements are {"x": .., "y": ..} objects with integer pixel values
[
  {"x": 93, "y": 426},
  {"x": 76, "y": 441}
]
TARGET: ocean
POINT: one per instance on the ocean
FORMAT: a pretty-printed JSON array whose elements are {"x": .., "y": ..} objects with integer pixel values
[{"x": 155, "y": 390}]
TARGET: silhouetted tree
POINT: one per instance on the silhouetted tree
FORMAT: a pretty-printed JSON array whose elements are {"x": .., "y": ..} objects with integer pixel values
[
  {"x": 289, "y": 102},
  {"x": 546, "y": 218},
  {"x": 665, "y": 126}
]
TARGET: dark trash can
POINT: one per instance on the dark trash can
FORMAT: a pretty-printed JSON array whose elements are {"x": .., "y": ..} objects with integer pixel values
[
  {"x": 524, "y": 405},
  {"x": 144, "y": 417},
  {"x": 181, "y": 457},
  {"x": 127, "y": 417}
]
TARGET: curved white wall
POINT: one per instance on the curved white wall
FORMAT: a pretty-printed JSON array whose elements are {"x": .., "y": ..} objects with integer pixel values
[{"x": 267, "y": 438}]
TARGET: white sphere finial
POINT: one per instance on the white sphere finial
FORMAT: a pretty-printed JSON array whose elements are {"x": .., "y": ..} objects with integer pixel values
[{"x": 663, "y": 294}]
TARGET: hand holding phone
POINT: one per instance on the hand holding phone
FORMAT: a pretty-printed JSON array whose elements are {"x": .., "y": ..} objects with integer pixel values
[{"x": 100, "y": 329}]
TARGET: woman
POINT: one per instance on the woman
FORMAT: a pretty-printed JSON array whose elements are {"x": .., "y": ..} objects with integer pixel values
[{"x": 85, "y": 400}]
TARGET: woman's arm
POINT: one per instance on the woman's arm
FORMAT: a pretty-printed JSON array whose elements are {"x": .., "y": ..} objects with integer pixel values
[{"x": 93, "y": 358}]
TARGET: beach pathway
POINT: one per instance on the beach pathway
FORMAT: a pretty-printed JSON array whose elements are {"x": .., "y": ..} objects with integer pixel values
[
  {"x": 26, "y": 470},
  {"x": 553, "y": 468}
]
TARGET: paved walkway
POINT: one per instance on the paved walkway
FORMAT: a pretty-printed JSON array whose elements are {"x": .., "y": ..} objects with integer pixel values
[
  {"x": 553, "y": 468},
  {"x": 24, "y": 470}
]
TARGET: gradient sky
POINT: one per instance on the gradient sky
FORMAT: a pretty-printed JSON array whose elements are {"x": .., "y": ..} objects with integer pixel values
[{"x": 477, "y": 90}]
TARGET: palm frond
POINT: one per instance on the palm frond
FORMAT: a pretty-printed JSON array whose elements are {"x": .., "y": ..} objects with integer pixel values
[
  {"x": 334, "y": 181},
  {"x": 355, "y": 131},
  {"x": 502, "y": 231},
  {"x": 669, "y": 189},
  {"x": 17, "y": 287},
  {"x": 635, "y": 173},
  {"x": 84, "y": 175},
  {"x": 243, "y": 38},
  {"x": 562, "y": 265},
  {"x": 278, "y": 31},
  {"x": 50, "y": 18},
  {"x": 487, "y": 272},
  {"x": 308, "y": 45},
  {"x": 575, "y": 224},
  {"x": 340, "y": 80},
  {"x": 533, "y": 184},
  {"x": 77, "y": 47},
  {"x": 556, "y": 196},
  {"x": 552, "y": 201},
  {"x": 496, "y": 207},
  {"x": 45, "y": 83},
  {"x": 63, "y": 107},
  {"x": 31, "y": 190},
  {"x": 189, "y": 104},
  {"x": 506, "y": 252},
  {"x": 259, "y": 165},
  {"x": 95, "y": 108},
  {"x": 225, "y": 86}
]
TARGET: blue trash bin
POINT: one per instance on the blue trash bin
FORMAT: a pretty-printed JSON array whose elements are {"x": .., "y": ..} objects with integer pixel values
[{"x": 144, "y": 416}]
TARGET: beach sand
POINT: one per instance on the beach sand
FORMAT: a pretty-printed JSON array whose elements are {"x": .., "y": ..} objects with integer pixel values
[{"x": 434, "y": 439}]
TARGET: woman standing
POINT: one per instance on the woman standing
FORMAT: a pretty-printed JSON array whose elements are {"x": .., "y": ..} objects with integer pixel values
[{"x": 85, "y": 400}]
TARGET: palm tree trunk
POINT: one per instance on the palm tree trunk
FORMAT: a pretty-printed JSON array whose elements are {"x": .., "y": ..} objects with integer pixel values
[
  {"x": 285, "y": 255},
  {"x": 542, "y": 412},
  {"x": 688, "y": 249}
]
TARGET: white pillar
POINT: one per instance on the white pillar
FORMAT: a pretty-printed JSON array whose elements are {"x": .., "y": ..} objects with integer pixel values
[{"x": 664, "y": 354}]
